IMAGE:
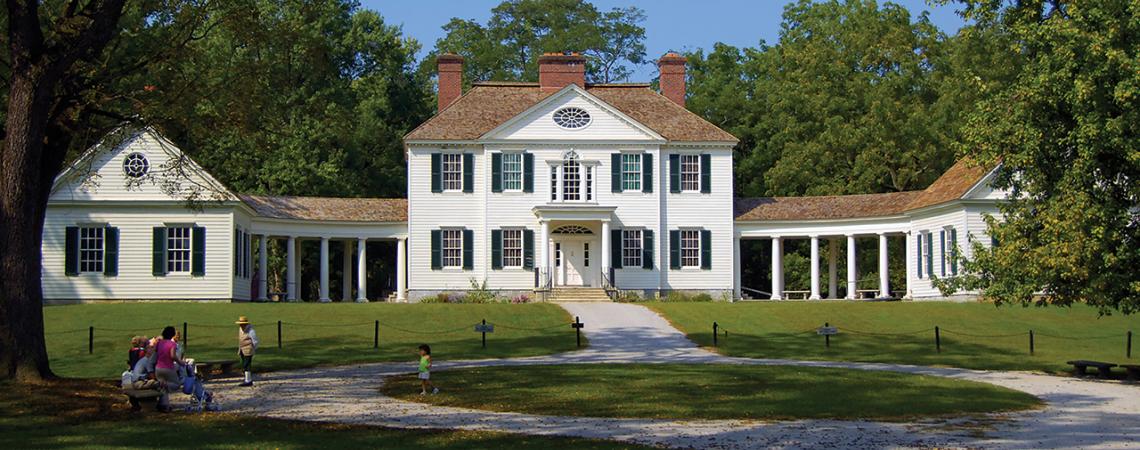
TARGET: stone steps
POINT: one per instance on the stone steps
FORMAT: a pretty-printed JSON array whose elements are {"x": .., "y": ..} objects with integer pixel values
[{"x": 578, "y": 295}]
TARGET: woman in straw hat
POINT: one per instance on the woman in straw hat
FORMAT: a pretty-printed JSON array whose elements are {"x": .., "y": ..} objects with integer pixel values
[{"x": 247, "y": 345}]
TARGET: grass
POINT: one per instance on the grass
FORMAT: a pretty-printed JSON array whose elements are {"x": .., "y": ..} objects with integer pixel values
[
  {"x": 87, "y": 414},
  {"x": 678, "y": 391},
  {"x": 312, "y": 335},
  {"x": 974, "y": 335}
]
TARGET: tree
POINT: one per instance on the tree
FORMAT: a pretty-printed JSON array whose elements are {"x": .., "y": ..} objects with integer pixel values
[
  {"x": 1065, "y": 133},
  {"x": 519, "y": 31}
]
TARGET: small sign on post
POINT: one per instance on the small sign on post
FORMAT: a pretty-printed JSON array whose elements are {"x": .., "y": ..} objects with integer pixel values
[
  {"x": 827, "y": 331},
  {"x": 484, "y": 328}
]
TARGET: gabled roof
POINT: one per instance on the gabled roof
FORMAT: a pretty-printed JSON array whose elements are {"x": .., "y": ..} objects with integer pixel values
[
  {"x": 574, "y": 90},
  {"x": 952, "y": 185},
  {"x": 329, "y": 208},
  {"x": 487, "y": 105}
]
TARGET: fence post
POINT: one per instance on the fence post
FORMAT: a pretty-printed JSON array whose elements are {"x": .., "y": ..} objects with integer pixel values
[
  {"x": 376, "y": 335},
  {"x": 715, "y": 332},
  {"x": 1128, "y": 353},
  {"x": 278, "y": 334},
  {"x": 827, "y": 337},
  {"x": 1030, "y": 342},
  {"x": 184, "y": 335},
  {"x": 578, "y": 330},
  {"x": 937, "y": 339},
  {"x": 484, "y": 333},
  {"x": 90, "y": 340}
]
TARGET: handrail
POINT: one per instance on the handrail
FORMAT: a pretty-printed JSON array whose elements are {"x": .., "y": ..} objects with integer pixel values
[{"x": 755, "y": 291}]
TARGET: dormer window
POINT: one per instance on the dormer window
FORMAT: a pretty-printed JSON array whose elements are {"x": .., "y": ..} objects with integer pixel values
[{"x": 571, "y": 118}]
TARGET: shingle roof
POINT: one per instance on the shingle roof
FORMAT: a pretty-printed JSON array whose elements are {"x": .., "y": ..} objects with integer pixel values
[
  {"x": 952, "y": 185},
  {"x": 328, "y": 208},
  {"x": 488, "y": 105}
]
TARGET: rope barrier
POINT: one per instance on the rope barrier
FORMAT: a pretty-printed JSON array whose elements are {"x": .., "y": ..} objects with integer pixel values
[
  {"x": 512, "y": 327},
  {"x": 986, "y": 336},
  {"x": 1082, "y": 338},
  {"x": 329, "y": 325},
  {"x": 873, "y": 333}
]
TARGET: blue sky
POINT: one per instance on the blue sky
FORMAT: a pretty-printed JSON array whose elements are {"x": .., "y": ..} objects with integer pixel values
[{"x": 669, "y": 24}]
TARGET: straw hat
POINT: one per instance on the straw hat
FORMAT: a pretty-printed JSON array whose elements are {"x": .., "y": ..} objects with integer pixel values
[{"x": 242, "y": 320}]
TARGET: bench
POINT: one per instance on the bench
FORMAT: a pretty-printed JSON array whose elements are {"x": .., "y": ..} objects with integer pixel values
[
  {"x": 206, "y": 368},
  {"x": 134, "y": 395},
  {"x": 1133, "y": 371},
  {"x": 1103, "y": 369},
  {"x": 802, "y": 295},
  {"x": 277, "y": 296}
]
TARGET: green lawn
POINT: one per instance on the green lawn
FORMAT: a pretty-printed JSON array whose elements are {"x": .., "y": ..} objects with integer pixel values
[
  {"x": 974, "y": 335},
  {"x": 313, "y": 334},
  {"x": 86, "y": 414},
  {"x": 679, "y": 391}
]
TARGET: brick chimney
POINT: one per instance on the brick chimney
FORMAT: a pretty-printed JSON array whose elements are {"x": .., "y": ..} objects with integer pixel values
[
  {"x": 450, "y": 78},
  {"x": 556, "y": 70},
  {"x": 672, "y": 81}
]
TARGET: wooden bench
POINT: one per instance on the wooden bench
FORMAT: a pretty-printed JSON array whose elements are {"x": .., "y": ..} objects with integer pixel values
[
  {"x": 204, "y": 369},
  {"x": 134, "y": 395},
  {"x": 801, "y": 295},
  {"x": 1133, "y": 371},
  {"x": 1103, "y": 369}
]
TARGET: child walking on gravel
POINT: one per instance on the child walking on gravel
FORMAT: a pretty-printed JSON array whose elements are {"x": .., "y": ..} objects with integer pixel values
[{"x": 425, "y": 371}]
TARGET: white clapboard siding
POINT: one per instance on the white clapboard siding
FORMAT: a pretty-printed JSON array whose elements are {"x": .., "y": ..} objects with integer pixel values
[
  {"x": 135, "y": 280},
  {"x": 934, "y": 221},
  {"x": 429, "y": 211},
  {"x": 713, "y": 212}
]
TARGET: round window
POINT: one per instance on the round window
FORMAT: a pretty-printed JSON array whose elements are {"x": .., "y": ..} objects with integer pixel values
[
  {"x": 135, "y": 165},
  {"x": 572, "y": 118}
]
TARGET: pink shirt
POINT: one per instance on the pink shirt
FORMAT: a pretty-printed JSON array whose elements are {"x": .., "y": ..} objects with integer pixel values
[{"x": 162, "y": 351}]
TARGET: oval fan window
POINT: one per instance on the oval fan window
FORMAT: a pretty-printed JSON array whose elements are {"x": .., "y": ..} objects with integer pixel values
[{"x": 572, "y": 118}]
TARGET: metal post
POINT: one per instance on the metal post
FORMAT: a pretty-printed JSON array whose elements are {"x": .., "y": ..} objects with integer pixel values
[
  {"x": 715, "y": 332},
  {"x": 937, "y": 339},
  {"x": 578, "y": 330},
  {"x": 184, "y": 336},
  {"x": 1030, "y": 342},
  {"x": 376, "y": 335},
  {"x": 827, "y": 337},
  {"x": 484, "y": 333},
  {"x": 90, "y": 340},
  {"x": 1128, "y": 353},
  {"x": 278, "y": 334}
]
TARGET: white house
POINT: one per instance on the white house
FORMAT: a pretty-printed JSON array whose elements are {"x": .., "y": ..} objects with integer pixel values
[{"x": 551, "y": 188}]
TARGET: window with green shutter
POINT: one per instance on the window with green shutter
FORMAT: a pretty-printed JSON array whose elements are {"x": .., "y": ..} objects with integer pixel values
[
  {"x": 496, "y": 249},
  {"x": 675, "y": 249},
  {"x": 954, "y": 251},
  {"x": 436, "y": 249},
  {"x": 615, "y": 248},
  {"x": 615, "y": 173},
  {"x": 111, "y": 252},
  {"x": 436, "y": 172},
  {"x": 706, "y": 173},
  {"x": 158, "y": 252},
  {"x": 706, "y": 249},
  {"x": 528, "y": 172},
  {"x": 468, "y": 249},
  {"x": 675, "y": 173},
  {"x": 71, "y": 252},
  {"x": 198, "y": 258},
  {"x": 646, "y": 249},
  {"x": 468, "y": 173},
  {"x": 918, "y": 254},
  {"x": 528, "y": 249},
  {"x": 647, "y": 173},
  {"x": 496, "y": 172}
]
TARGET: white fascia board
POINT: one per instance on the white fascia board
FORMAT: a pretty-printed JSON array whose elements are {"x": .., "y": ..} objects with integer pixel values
[{"x": 573, "y": 88}]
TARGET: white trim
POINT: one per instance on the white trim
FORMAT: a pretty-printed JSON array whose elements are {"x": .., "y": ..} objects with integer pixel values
[{"x": 653, "y": 135}]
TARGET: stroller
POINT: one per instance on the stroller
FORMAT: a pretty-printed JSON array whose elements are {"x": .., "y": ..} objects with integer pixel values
[{"x": 200, "y": 398}]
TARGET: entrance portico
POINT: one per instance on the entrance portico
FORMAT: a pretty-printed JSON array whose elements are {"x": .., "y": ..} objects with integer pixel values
[{"x": 574, "y": 246}]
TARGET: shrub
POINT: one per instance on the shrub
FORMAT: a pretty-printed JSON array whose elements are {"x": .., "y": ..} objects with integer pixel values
[
  {"x": 629, "y": 297},
  {"x": 521, "y": 298},
  {"x": 442, "y": 297},
  {"x": 479, "y": 293},
  {"x": 679, "y": 297}
]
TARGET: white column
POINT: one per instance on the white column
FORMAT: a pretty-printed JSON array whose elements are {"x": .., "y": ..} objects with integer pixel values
[
  {"x": 263, "y": 268},
  {"x": 884, "y": 280},
  {"x": 325, "y": 270},
  {"x": 401, "y": 269},
  {"x": 852, "y": 270},
  {"x": 346, "y": 272},
  {"x": 544, "y": 254},
  {"x": 291, "y": 269},
  {"x": 361, "y": 271},
  {"x": 606, "y": 249},
  {"x": 814, "y": 268},
  {"x": 832, "y": 269},
  {"x": 909, "y": 259},
  {"x": 736, "y": 291},
  {"x": 777, "y": 268}
]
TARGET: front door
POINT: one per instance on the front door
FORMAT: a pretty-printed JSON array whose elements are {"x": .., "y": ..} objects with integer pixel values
[{"x": 574, "y": 256}]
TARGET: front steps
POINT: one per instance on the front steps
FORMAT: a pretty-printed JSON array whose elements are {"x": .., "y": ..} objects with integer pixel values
[{"x": 578, "y": 295}]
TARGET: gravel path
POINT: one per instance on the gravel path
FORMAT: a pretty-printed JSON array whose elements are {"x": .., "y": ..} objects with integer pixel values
[{"x": 1079, "y": 413}]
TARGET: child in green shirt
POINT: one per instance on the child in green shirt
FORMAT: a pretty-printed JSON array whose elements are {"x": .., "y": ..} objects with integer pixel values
[{"x": 425, "y": 370}]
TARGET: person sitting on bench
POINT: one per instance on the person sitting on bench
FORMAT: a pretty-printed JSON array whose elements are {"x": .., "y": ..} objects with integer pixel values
[
  {"x": 138, "y": 350},
  {"x": 141, "y": 379}
]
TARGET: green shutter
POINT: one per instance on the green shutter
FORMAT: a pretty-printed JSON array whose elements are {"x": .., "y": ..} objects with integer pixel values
[
  {"x": 528, "y": 249},
  {"x": 528, "y": 172},
  {"x": 496, "y": 172},
  {"x": 71, "y": 252},
  {"x": 646, "y": 172},
  {"x": 675, "y": 173},
  {"x": 111, "y": 251},
  {"x": 496, "y": 249},
  {"x": 706, "y": 249},
  {"x": 198, "y": 252},
  {"x": 942, "y": 248},
  {"x": 929, "y": 254},
  {"x": 436, "y": 250},
  {"x": 954, "y": 251},
  {"x": 918, "y": 254},
  {"x": 706, "y": 173},
  {"x": 615, "y": 249},
  {"x": 615, "y": 173},
  {"x": 436, "y": 172},
  {"x": 647, "y": 249},
  {"x": 674, "y": 249},
  {"x": 468, "y": 249},
  {"x": 237, "y": 252},
  {"x": 158, "y": 252},
  {"x": 468, "y": 173}
]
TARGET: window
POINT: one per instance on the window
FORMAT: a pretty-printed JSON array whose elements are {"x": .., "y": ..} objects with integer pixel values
[
  {"x": 553, "y": 183},
  {"x": 135, "y": 165},
  {"x": 557, "y": 254},
  {"x": 571, "y": 179},
  {"x": 512, "y": 171},
  {"x": 586, "y": 253},
  {"x": 571, "y": 118},
  {"x": 512, "y": 248},
  {"x": 690, "y": 173},
  {"x": 452, "y": 172},
  {"x": 178, "y": 245},
  {"x": 452, "y": 248},
  {"x": 631, "y": 171},
  {"x": 631, "y": 248},
  {"x": 589, "y": 184},
  {"x": 690, "y": 248},
  {"x": 91, "y": 249}
]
